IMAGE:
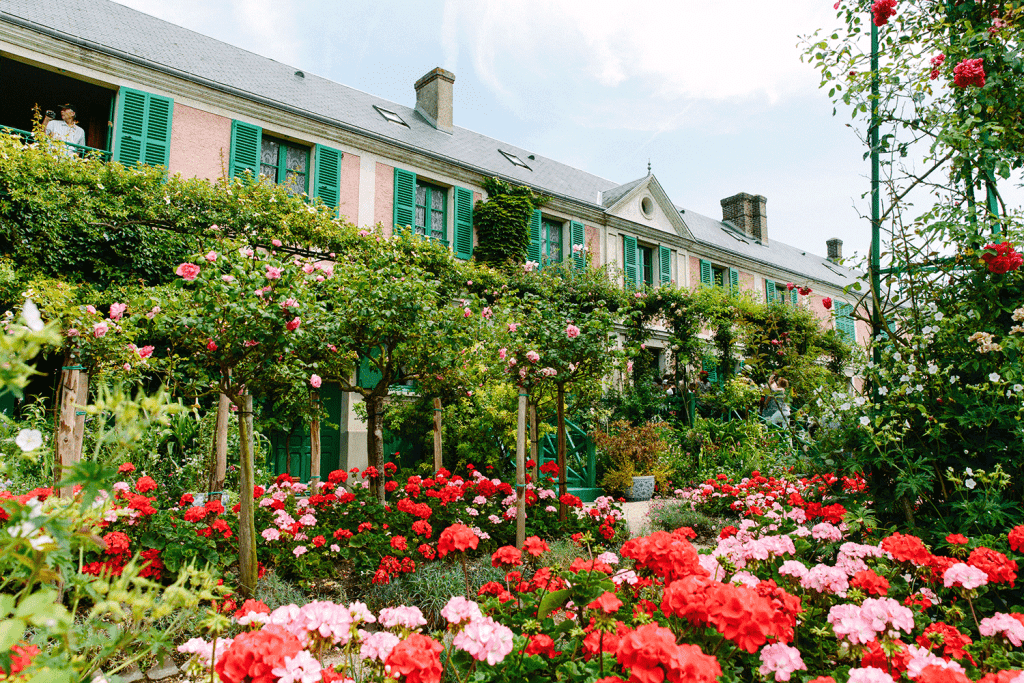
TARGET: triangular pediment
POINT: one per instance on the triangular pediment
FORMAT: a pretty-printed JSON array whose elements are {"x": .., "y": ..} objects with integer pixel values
[{"x": 644, "y": 201}]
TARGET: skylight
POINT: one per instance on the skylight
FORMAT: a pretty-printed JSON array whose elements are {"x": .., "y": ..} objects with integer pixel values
[
  {"x": 735, "y": 235},
  {"x": 391, "y": 116},
  {"x": 516, "y": 161}
]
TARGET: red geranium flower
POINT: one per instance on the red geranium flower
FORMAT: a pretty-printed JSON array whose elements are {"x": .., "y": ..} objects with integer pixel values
[
  {"x": 145, "y": 485},
  {"x": 870, "y": 582},
  {"x": 126, "y": 468},
  {"x": 457, "y": 537},
  {"x": 607, "y": 603},
  {"x": 253, "y": 655},
  {"x": 417, "y": 659},
  {"x": 536, "y": 546},
  {"x": 956, "y": 539},
  {"x": 1016, "y": 538},
  {"x": 506, "y": 556},
  {"x": 999, "y": 567}
]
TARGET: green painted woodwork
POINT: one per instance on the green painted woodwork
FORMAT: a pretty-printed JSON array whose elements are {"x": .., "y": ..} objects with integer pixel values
[
  {"x": 143, "y": 128},
  {"x": 404, "y": 199},
  {"x": 297, "y": 441},
  {"x": 246, "y": 140},
  {"x": 707, "y": 276},
  {"x": 463, "y": 243},
  {"x": 630, "y": 266},
  {"x": 533, "y": 251},
  {"x": 577, "y": 236},
  {"x": 327, "y": 185},
  {"x": 664, "y": 264}
]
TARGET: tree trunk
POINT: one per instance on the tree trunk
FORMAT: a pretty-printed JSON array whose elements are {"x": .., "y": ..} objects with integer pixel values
[
  {"x": 65, "y": 456},
  {"x": 521, "y": 473},
  {"x": 563, "y": 511},
  {"x": 220, "y": 467},
  {"x": 534, "y": 443},
  {"x": 246, "y": 516},
  {"x": 375, "y": 441},
  {"x": 314, "y": 444},
  {"x": 438, "y": 460}
]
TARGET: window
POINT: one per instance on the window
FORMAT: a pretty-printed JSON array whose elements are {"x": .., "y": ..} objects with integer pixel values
[
  {"x": 430, "y": 212},
  {"x": 845, "y": 324},
  {"x": 516, "y": 161},
  {"x": 779, "y": 291},
  {"x": 284, "y": 163},
  {"x": 645, "y": 261},
  {"x": 424, "y": 207},
  {"x": 390, "y": 116},
  {"x": 550, "y": 241},
  {"x": 718, "y": 276}
]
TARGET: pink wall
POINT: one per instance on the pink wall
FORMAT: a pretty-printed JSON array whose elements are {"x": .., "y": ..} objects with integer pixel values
[
  {"x": 593, "y": 242},
  {"x": 200, "y": 143},
  {"x": 350, "y": 187},
  {"x": 748, "y": 282},
  {"x": 694, "y": 272},
  {"x": 384, "y": 197}
]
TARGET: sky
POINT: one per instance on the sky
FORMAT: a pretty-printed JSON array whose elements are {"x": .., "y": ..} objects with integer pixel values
[{"x": 713, "y": 95}]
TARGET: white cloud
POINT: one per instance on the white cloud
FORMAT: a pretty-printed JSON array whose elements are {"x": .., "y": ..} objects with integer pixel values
[{"x": 597, "y": 59}]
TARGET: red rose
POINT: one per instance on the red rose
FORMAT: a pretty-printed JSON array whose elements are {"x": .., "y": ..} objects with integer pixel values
[
  {"x": 293, "y": 324},
  {"x": 969, "y": 72},
  {"x": 827, "y": 302},
  {"x": 882, "y": 10}
]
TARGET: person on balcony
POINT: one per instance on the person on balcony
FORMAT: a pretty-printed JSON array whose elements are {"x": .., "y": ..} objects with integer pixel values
[{"x": 67, "y": 129}]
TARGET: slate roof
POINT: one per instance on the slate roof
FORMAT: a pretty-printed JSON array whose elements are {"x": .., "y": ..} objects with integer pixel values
[{"x": 120, "y": 31}]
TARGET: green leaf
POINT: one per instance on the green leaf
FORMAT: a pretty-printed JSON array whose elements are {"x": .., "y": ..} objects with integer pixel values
[
  {"x": 553, "y": 601},
  {"x": 11, "y": 631}
]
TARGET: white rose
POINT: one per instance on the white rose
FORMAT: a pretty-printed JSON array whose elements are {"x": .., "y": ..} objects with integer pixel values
[{"x": 29, "y": 439}]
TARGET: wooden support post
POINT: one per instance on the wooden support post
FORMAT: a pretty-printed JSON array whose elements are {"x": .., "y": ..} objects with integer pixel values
[
  {"x": 534, "y": 443},
  {"x": 563, "y": 511},
  {"x": 438, "y": 460},
  {"x": 521, "y": 473},
  {"x": 314, "y": 445},
  {"x": 246, "y": 512},
  {"x": 220, "y": 466},
  {"x": 66, "y": 457}
]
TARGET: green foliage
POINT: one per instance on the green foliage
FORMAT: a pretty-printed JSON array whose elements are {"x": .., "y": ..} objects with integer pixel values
[
  {"x": 502, "y": 222},
  {"x": 626, "y": 451},
  {"x": 735, "y": 447},
  {"x": 669, "y": 515}
]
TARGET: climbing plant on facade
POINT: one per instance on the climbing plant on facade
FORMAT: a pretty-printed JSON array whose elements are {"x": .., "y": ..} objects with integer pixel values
[{"x": 502, "y": 221}]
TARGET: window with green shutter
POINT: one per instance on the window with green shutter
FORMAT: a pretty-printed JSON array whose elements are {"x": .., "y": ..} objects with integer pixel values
[
  {"x": 328, "y": 175},
  {"x": 550, "y": 241},
  {"x": 665, "y": 265},
  {"x": 143, "y": 134},
  {"x": 630, "y": 266},
  {"x": 734, "y": 279},
  {"x": 845, "y": 323},
  {"x": 431, "y": 215},
  {"x": 463, "y": 246},
  {"x": 534, "y": 249},
  {"x": 780, "y": 292},
  {"x": 284, "y": 163},
  {"x": 706, "y": 274},
  {"x": 645, "y": 265},
  {"x": 577, "y": 235},
  {"x": 770, "y": 292},
  {"x": 245, "y": 150}
]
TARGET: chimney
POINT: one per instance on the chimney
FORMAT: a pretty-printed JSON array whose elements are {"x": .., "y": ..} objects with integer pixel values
[
  {"x": 434, "y": 98},
  {"x": 835, "y": 249},
  {"x": 748, "y": 213}
]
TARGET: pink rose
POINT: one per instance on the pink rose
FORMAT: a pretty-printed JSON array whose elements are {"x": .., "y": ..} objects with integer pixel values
[
  {"x": 188, "y": 271},
  {"x": 245, "y": 252},
  {"x": 289, "y": 303},
  {"x": 117, "y": 310},
  {"x": 532, "y": 356},
  {"x": 228, "y": 278},
  {"x": 273, "y": 273},
  {"x": 90, "y": 309},
  {"x": 364, "y": 233},
  {"x": 467, "y": 313},
  {"x": 127, "y": 367},
  {"x": 99, "y": 329},
  {"x": 502, "y": 353},
  {"x": 571, "y": 331},
  {"x": 512, "y": 327},
  {"x": 211, "y": 256},
  {"x": 144, "y": 352},
  {"x": 487, "y": 313},
  {"x": 276, "y": 243},
  {"x": 308, "y": 268},
  {"x": 293, "y": 324},
  {"x": 629, "y": 366},
  {"x": 72, "y": 332},
  {"x": 328, "y": 270},
  {"x": 315, "y": 381},
  {"x": 211, "y": 345}
]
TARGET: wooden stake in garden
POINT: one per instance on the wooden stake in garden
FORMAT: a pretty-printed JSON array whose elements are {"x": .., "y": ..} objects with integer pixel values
[
  {"x": 438, "y": 461},
  {"x": 563, "y": 511},
  {"x": 534, "y": 443},
  {"x": 246, "y": 519},
  {"x": 220, "y": 467},
  {"x": 314, "y": 443},
  {"x": 66, "y": 455},
  {"x": 521, "y": 473}
]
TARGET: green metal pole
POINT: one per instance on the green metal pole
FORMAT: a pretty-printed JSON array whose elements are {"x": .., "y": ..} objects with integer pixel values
[{"x": 876, "y": 201}]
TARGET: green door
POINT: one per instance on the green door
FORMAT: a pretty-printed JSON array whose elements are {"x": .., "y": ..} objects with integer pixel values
[{"x": 297, "y": 441}]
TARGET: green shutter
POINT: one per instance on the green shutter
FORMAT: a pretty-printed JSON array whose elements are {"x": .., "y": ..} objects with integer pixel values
[
  {"x": 327, "y": 183},
  {"x": 246, "y": 140},
  {"x": 665, "y": 264},
  {"x": 577, "y": 235},
  {"x": 845, "y": 324},
  {"x": 143, "y": 128},
  {"x": 369, "y": 375},
  {"x": 769, "y": 291},
  {"x": 533, "y": 250},
  {"x": 463, "y": 242},
  {"x": 629, "y": 262},
  {"x": 794, "y": 296},
  {"x": 734, "y": 279},
  {"x": 707, "y": 278},
  {"x": 404, "y": 199}
]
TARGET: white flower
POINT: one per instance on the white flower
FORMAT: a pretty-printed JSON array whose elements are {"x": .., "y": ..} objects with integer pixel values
[
  {"x": 1017, "y": 388},
  {"x": 31, "y": 315},
  {"x": 932, "y": 368},
  {"x": 911, "y": 369},
  {"x": 993, "y": 377},
  {"x": 883, "y": 391},
  {"x": 939, "y": 316},
  {"x": 970, "y": 483},
  {"x": 904, "y": 379},
  {"x": 29, "y": 439},
  {"x": 969, "y": 472},
  {"x": 953, "y": 379},
  {"x": 865, "y": 420},
  {"x": 897, "y": 356}
]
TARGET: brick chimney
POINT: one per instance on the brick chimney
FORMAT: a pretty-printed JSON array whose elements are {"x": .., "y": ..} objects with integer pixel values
[
  {"x": 835, "y": 249},
  {"x": 748, "y": 213},
  {"x": 434, "y": 98}
]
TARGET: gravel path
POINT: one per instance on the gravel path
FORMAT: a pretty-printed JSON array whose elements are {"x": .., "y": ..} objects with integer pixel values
[{"x": 636, "y": 517}]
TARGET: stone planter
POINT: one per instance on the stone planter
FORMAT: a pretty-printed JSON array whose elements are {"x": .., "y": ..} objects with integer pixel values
[{"x": 642, "y": 488}]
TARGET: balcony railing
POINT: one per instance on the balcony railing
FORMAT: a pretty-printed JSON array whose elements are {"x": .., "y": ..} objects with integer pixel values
[{"x": 79, "y": 150}]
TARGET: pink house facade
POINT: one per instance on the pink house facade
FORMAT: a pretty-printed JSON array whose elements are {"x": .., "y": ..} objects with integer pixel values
[{"x": 152, "y": 92}]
